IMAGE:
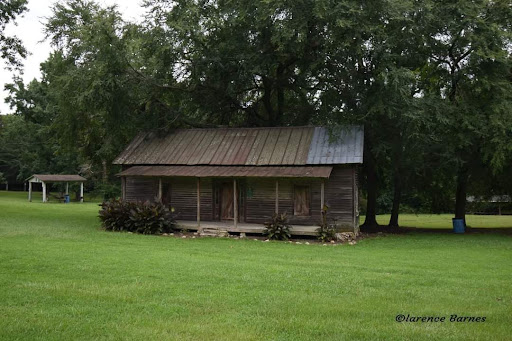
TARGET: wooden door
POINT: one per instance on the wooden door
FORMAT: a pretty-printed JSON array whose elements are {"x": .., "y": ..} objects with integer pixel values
[{"x": 226, "y": 201}]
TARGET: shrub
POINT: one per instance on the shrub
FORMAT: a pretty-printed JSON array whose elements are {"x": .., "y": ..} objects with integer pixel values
[
  {"x": 326, "y": 232},
  {"x": 278, "y": 228},
  {"x": 140, "y": 217},
  {"x": 115, "y": 215},
  {"x": 151, "y": 218}
]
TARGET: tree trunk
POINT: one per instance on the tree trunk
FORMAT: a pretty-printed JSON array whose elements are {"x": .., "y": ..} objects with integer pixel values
[
  {"x": 370, "y": 171},
  {"x": 267, "y": 101},
  {"x": 105, "y": 171},
  {"x": 397, "y": 195},
  {"x": 397, "y": 182},
  {"x": 280, "y": 94},
  {"x": 460, "y": 195}
]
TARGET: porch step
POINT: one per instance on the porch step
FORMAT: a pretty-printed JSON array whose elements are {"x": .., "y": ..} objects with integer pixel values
[{"x": 213, "y": 232}]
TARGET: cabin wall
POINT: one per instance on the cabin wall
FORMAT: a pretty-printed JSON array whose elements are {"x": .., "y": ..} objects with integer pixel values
[
  {"x": 261, "y": 205},
  {"x": 183, "y": 194},
  {"x": 184, "y": 197},
  {"x": 141, "y": 189},
  {"x": 259, "y": 194},
  {"x": 341, "y": 196}
]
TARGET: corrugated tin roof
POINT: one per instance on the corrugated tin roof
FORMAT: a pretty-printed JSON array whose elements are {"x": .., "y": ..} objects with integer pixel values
[
  {"x": 230, "y": 171},
  {"x": 58, "y": 178},
  {"x": 246, "y": 146},
  {"x": 343, "y": 147}
]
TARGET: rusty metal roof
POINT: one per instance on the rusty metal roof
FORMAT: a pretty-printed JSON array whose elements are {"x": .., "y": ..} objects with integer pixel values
[
  {"x": 230, "y": 171},
  {"x": 57, "y": 178},
  {"x": 245, "y": 146}
]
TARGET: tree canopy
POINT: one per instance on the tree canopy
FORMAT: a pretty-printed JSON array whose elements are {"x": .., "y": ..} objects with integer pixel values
[
  {"x": 11, "y": 48},
  {"x": 430, "y": 81}
]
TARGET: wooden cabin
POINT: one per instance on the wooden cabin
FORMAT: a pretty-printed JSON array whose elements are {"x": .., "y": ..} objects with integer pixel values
[{"x": 237, "y": 178}]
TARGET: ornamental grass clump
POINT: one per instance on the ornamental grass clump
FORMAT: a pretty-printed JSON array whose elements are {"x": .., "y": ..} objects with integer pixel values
[
  {"x": 278, "y": 228},
  {"x": 139, "y": 217}
]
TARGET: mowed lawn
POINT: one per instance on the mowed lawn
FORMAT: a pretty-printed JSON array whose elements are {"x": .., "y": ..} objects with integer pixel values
[{"x": 63, "y": 278}]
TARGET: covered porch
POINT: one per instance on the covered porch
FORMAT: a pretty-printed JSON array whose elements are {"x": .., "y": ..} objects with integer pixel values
[
  {"x": 269, "y": 198},
  {"x": 299, "y": 230}
]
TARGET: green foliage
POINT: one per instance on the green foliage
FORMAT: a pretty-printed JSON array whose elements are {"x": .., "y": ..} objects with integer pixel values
[
  {"x": 11, "y": 48},
  {"x": 278, "y": 227},
  {"x": 115, "y": 215},
  {"x": 109, "y": 191},
  {"x": 140, "y": 217},
  {"x": 430, "y": 81}
]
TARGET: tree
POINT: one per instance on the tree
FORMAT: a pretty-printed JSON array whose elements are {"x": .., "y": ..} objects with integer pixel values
[
  {"x": 11, "y": 48},
  {"x": 88, "y": 82},
  {"x": 469, "y": 75},
  {"x": 241, "y": 63}
]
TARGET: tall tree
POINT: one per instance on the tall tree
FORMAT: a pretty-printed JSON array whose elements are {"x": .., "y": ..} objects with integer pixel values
[
  {"x": 468, "y": 43},
  {"x": 11, "y": 47},
  {"x": 239, "y": 62},
  {"x": 88, "y": 81}
]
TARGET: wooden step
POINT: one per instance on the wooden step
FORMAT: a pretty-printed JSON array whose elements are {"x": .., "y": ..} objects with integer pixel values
[{"x": 213, "y": 232}]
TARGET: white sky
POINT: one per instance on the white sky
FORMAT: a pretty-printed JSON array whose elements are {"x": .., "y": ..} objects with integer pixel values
[{"x": 30, "y": 31}]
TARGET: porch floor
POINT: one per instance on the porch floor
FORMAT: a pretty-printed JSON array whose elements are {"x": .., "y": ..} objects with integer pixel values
[{"x": 299, "y": 230}]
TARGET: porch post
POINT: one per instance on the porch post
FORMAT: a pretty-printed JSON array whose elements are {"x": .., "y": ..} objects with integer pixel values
[
  {"x": 198, "y": 203},
  {"x": 44, "y": 191},
  {"x": 81, "y": 192},
  {"x": 235, "y": 205},
  {"x": 277, "y": 197},
  {"x": 29, "y": 191},
  {"x": 160, "y": 189},
  {"x": 123, "y": 188},
  {"x": 322, "y": 194}
]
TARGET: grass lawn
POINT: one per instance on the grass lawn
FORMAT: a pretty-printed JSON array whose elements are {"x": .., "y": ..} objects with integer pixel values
[
  {"x": 444, "y": 221},
  {"x": 63, "y": 278}
]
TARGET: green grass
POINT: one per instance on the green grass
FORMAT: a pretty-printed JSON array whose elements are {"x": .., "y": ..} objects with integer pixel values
[
  {"x": 444, "y": 221},
  {"x": 63, "y": 278}
]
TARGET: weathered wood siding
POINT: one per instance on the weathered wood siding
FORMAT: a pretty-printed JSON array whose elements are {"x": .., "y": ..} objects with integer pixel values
[
  {"x": 183, "y": 195},
  {"x": 141, "y": 189},
  {"x": 259, "y": 195},
  {"x": 184, "y": 198},
  {"x": 340, "y": 191},
  {"x": 261, "y": 206}
]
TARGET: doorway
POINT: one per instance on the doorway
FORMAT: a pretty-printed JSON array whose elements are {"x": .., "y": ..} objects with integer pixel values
[
  {"x": 226, "y": 201},
  {"x": 223, "y": 200}
]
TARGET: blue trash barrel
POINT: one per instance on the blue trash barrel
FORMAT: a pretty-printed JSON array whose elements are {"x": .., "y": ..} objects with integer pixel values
[
  {"x": 66, "y": 198},
  {"x": 458, "y": 225}
]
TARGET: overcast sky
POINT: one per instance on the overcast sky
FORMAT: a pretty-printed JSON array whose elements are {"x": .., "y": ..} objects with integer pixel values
[{"x": 30, "y": 31}]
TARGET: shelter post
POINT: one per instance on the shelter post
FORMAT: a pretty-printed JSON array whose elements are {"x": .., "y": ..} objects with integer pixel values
[
  {"x": 67, "y": 188},
  {"x": 29, "y": 191},
  {"x": 81, "y": 192},
  {"x": 44, "y": 191}
]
